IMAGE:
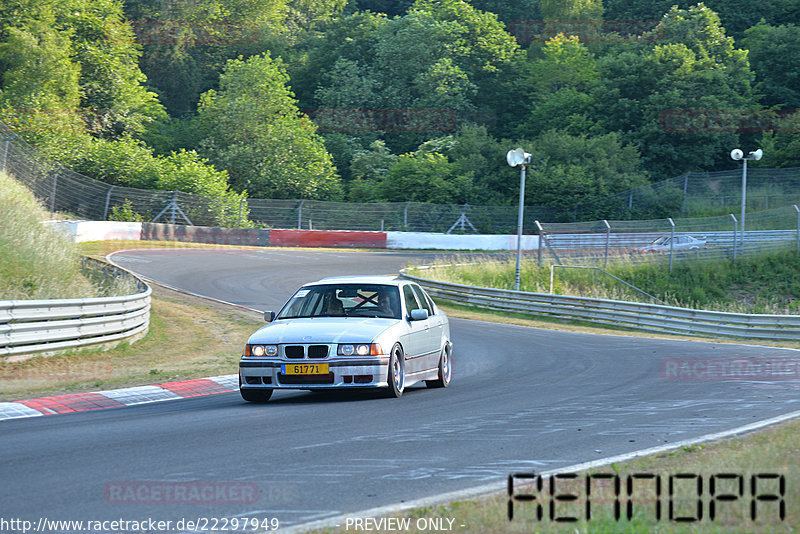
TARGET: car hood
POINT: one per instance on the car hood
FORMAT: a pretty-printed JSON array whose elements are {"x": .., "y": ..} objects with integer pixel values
[{"x": 322, "y": 330}]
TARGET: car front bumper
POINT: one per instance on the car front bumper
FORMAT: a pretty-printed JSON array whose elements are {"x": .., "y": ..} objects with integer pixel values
[{"x": 361, "y": 372}]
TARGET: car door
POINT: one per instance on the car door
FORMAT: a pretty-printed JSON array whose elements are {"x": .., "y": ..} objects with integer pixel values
[
  {"x": 416, "y": 338},
  {"x": 433, "y": 338}
]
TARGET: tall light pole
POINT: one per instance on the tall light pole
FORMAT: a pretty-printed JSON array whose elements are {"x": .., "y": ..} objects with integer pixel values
[
  {"x": 519, "y": 157},
  {"x": 737, "y": 154}
]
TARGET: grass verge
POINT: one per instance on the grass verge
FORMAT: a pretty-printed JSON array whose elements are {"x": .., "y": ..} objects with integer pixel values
[
  {"x": 189, "y": 337},
  {"x": 765, "y": 283},
  {"x": 36, "y": 262},
  {"x": 773, "y": 451},
  {"x": 461, "y": 311}
]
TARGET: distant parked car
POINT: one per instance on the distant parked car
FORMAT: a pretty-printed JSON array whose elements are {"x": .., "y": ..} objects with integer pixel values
[
  {"x": 681, "y": 243},
  {"x": 349, "y": 332}
]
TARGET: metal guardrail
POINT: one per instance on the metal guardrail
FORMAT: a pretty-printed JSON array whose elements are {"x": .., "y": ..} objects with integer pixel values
[
  {"x": 30, "y": 326},
  {"x": 634, "y": 315}
]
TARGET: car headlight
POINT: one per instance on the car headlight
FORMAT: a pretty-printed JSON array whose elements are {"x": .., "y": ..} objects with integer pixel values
[
  {"x": 360, "y": 349},
  {"x": 259, "y": 351}
]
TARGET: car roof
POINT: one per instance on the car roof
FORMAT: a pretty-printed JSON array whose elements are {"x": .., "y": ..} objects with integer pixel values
[{"x": 390, "y": 280}]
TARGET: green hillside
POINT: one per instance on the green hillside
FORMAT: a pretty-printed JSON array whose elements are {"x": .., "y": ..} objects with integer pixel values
[
  {"x": 369, "y": 100},
  {"x": 36, "y": 262}
]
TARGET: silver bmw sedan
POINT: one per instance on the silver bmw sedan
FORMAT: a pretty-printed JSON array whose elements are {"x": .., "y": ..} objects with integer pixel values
[{"x": 349, "y": 332}]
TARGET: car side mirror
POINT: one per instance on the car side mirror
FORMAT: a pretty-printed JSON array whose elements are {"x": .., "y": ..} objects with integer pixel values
[
  {"x": 269, "y": 316},
  {"x": 419, "y": 315}
]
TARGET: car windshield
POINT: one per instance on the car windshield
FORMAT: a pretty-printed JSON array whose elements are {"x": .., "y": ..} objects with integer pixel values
[
  {"x": 663, "y": 240},
  {"x": 343, "y": 300}
]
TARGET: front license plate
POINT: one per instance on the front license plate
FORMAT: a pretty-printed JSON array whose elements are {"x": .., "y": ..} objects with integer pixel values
[{"x": 305, "y": 369}]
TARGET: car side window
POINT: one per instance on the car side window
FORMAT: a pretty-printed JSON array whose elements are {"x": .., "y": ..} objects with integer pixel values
[
  {"x": 430, "y": 303},
  {"x": 421, "y": 297},
  {"x": 411, "y": 301}
]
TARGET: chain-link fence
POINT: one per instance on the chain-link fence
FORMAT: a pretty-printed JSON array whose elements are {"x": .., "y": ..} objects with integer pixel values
[
  {"x": 695, "y": 194},
  {"x": 668, "y": 239},
  {"x": 399, "y": 216},
  {"x": 64, "y": 191}
]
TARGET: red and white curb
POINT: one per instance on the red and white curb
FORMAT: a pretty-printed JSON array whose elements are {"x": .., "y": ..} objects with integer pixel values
[{"x": 117, "y": 398}]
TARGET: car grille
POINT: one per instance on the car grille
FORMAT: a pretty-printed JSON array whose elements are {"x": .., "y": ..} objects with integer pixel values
[
  {"x": 318, "y": 351},
  {"x": 294, "y": 351},
  {"x": 299, "y": 351},
  {"x": 305, "y": 379}
]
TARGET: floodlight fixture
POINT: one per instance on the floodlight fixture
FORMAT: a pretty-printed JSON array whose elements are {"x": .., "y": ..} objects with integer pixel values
[
  {"x": 519, "y": 158},
  {"x": 738, "y": 155}
]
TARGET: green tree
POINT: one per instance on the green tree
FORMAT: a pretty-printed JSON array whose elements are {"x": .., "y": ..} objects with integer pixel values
[
  {"x": 311, "y": 62},
  {"x": 736, "y": 16},
  {"x": 113, "y": 96},
  {"x": 186, "y": 43},
  {"x": 305, "y": 13},
  {"x": 560, "y": 79},
  {"x": 447, "y": 57},
  {"x": 73, "y": 36},
  {"x": 426, "y": 178},
  {"x": 581, "y": 18},
  {"x": 773, "y": 53},
  {"x": 389, "y": 7},
  {"x": 369, "y": 169},
  {"x": 37, "y": 69},
  {"x": 251, "y": 126},
  {"x": 576, "y": 172},
  {"x": 512, "y": 12},
  {"x": 659, "y": 97},
  {"x": 475, "y": 151}
]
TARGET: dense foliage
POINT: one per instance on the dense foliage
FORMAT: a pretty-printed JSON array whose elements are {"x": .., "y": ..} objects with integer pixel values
[{"x": 371, "y": 100}]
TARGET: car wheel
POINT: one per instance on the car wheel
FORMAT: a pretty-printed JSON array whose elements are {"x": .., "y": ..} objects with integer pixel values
[
  {"x": 254, "y": 395},
  {"x": 445, "y": 370},
  {"x": 397, "y": 371}
]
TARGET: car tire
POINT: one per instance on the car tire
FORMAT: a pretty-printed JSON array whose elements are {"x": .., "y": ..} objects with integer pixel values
[
  {"x": 397, "y": 372},
  {"x": 255, "y": 395},
  {"x": 445, "y": 370}
]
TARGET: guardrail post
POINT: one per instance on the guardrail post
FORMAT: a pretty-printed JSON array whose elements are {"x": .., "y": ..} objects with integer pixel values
[
  {"x": 671, "y": 242},
  {"x": 735, "y": 227},
  {"x": 405, "y": 216},
  {"x": 608, "y": 238}
]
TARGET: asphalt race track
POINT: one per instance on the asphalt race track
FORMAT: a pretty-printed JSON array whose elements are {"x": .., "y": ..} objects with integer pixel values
[{"x": 521, "y": 399}]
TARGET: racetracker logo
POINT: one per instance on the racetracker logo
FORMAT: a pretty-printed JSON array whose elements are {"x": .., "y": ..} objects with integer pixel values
[
  {"x": 180, "y": 493},
  {"x": 589, "y": 31},
  {"x": 728, "y": 369},
  {"x": 360, "y": 120},
  {"x": 55, "y": 369},
  {"x": 172, "y": 31},
  {"x": 705, "y": 121}
]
